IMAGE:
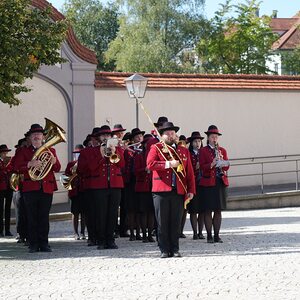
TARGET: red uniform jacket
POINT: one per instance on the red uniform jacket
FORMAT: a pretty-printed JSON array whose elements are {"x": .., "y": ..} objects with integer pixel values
[
  {"x": 97, "y": 172},
  {"x": 5, "y": 172},
  {"x": 143, "y": 178},
  {"x": 162, "y": 177},
  {"x": 48, "y": 184},
  {"x": 208, "y": 177},
  {"x": 75, "y": 182}
]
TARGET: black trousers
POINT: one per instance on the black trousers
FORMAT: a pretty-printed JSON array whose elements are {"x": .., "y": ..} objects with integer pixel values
[
  {"x": 22, "y": 218},
  {"x": 168, "y": 211},
  {"x": 123, "y": 214},
  {"x": 5, "y": 205},
  {"x": 37, "y": 205}
]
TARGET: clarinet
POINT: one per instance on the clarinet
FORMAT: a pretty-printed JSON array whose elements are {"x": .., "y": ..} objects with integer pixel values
[{"x": 218, "y": 157}]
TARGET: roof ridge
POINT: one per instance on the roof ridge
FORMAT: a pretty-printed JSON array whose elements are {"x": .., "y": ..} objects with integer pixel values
[{"x": 80, "y": 50}]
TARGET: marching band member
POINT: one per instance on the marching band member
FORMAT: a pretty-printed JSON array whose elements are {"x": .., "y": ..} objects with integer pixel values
[
  {"x": 76, "y": 195},
  {"x": 37, "y": 194},
  {"x": 214, "y": 181},
  {"x": 195, "y": 207},
  {"x": 143, "y": 191},
  {"x": 121, "y": 230},
  {"x": 6, "y": 192},
  {"x": 100, "y": 167},
  {"x": 171, "y": 186},
  {"x": 131, "y": 199}
]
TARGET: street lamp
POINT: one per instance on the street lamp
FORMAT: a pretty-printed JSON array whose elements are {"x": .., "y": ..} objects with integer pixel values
[{"x": 136, "y": 86}]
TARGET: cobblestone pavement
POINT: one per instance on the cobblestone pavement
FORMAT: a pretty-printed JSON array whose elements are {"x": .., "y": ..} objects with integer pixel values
[{"x": 260, "y": 259}]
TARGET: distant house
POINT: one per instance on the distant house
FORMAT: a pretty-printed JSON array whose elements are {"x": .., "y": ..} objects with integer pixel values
[{"x": 288, "y": 30}]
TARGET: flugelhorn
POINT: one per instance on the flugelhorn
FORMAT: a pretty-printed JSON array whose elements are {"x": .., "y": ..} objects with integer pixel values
[
  {"x": 105, "y": 147},
  {"x": 54, "y": 135}
]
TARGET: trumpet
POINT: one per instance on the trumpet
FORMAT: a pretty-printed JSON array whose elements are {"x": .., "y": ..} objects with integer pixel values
[{"x": 106, "y": 151}]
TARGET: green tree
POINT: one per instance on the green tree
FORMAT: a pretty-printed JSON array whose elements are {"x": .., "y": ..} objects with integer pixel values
[
  {"x": 154, "y": 34},
  {"x": 291, "y": 61},
  {"x": 237, "y": 40},
  {"x": 28, "y": 38},
  {"x": 95, "y": 25}
]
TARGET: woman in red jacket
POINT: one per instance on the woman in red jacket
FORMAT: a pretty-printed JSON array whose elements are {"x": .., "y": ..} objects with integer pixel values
[
  {"x": 195, "y": 207},
  {"x": 143, "y": 192},
  {"x": 214, "y": 181}
]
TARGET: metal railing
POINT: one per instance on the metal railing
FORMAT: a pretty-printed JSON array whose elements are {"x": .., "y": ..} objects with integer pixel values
[{"x": 263, "y": 161}]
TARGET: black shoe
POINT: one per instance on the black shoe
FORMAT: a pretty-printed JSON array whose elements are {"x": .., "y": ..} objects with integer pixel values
[
  {"x": 151, "y": 239},
  {"x": 145, "y": 239},
  {"x": 182, "y": 236},
  {"x": 132, "y": 237},
  {"x": 91, "y": 243},
  {"x": 82, "y": 236},
  {"x": 217, "y": 239},
  {"x": 111, "y": 246},
  {"x": 26, "y": 243},
  {"x": 164, "y": 255},
  {"x": 138, "y": 237},
  {"x": 20, "y": 241},
  {"x": 177, "y": 254},
  {"x": 201, "y": 236},
  {"x": 210, "y": 240},
  {"x": 195, "y": 236},
  {"x": 8, "y": 233},
  {"x": 100, "y": 247},
  {"x": 116, "y": 235},
  {"x": 124, "y": 234},
  {"x": 33, "y": 249},
  {"x": 45, "y": 249}
]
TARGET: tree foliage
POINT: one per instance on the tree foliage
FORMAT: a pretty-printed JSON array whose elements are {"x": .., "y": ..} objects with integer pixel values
[
  {"x": 154, "y": 33},
  {"x": 291, "y": 61},
  {"x": 95, "y": 25},
  {"x": 29, "y": 38},
  {"x": 237, "y": 40}
]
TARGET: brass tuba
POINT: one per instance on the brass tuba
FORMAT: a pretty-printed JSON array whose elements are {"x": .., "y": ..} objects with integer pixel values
[
  {"x": 66, "y": 181},
  {"x": 14, "y": 181},
  {"x": 53, "y": 135}
]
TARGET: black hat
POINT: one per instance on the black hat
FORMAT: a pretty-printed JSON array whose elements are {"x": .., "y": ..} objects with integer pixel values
[
  {"x": 212, "y": 129},
  {"x": 78, "y": 148},
  {"x": 146, "y": 138},
  {"x": 19, "y": 144},
  {"x": 118, "y": 128},
  {"x": 26, "y": 134},
  {"x": 136, "y": 131},
  {"x": 195, "y": 135},
  {"x": 3, "y": 148},
  {"x": 36, "y": 128},
  {"x": 104, "y": 129},
  {"x": 168, "y": 126},
  {"x": 95, "y": 132},
  {"x": 160, "y": 121},
  {"x": 127, "y": 136},
  {"x": 86, "y": 141},
  {"x": 182, "y": 138}
]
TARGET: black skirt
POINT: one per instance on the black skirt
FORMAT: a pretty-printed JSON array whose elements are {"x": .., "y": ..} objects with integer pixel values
[
  {"x": 77, "y": 204},
  {"x": 131, "y": 201},
  {"x": 145, "y": 202},
  {"x": 214, "y": 197},
  {"x": 196, "y": 206}
]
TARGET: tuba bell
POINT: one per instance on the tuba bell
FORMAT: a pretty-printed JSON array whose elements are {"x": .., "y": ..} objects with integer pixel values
[{"x": 54, "y": 134}]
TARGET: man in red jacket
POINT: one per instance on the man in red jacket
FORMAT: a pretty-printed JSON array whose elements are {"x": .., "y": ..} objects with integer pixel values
[
  {"x": 103, "y": 183},
  {"x": 6, "y": 192},
  {"x": 37, "y": 194},
  {"x": 170, "y": 187}
]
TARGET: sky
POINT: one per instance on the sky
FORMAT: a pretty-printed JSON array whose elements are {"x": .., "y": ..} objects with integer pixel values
[{"x": 286, "y": 9}]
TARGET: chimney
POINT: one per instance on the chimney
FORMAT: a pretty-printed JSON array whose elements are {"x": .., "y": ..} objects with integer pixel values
[{"x": 274, "y": 14}]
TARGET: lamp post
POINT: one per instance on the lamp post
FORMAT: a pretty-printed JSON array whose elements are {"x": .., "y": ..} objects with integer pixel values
[{"x": 136, "y": 86}]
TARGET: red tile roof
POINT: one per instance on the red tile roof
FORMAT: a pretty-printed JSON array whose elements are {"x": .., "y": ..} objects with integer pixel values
[
  {"x": 80, "y": 50},
  {"x": 201, "y": 81},
  {"x": 290, "y": 39}
]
